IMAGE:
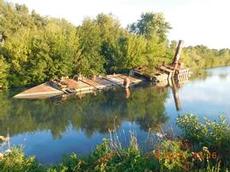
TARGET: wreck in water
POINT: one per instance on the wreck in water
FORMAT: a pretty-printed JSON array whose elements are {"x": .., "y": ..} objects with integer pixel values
[
  {"x": 80, "y": 85},
  {"x": 166, "y": 72}
]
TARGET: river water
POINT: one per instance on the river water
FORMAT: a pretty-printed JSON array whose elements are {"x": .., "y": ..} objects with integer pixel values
[{"x": 51, "y": 128}]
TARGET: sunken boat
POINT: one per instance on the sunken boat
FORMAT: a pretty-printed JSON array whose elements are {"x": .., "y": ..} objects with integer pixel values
[
  {"x": 166, "y": 72},
  {"x": 77, "y": 86}
]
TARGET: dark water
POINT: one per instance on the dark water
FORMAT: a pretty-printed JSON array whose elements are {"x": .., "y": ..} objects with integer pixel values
[{"x": 50, "y": 128}]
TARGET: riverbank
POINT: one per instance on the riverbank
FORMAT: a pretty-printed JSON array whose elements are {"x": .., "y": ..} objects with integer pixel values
[
  {"x": 79, "y": 124},
  {"x": 203, "y": 146}
]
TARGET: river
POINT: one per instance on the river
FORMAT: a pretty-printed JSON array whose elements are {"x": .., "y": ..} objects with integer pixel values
[{"x": 51, "y": 128}]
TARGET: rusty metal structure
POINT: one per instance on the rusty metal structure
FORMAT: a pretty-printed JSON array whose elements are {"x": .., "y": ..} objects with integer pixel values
[
  {"x": 79, "y": 86},
  {"x": 166, "y": 72},
  {"x": 176, "y": 70},
  {"x": 177, "y": 54}
]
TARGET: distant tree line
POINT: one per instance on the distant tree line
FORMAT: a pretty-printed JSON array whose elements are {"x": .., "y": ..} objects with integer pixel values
[
  {"x": 202, "y": 57},
  {"x": 34, "y": 49}
]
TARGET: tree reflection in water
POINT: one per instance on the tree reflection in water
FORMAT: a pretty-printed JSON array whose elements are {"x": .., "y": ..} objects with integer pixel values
[{"x": 107, "y": 110}]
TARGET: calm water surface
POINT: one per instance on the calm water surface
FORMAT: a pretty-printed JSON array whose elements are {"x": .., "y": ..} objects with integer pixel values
[{"x": 51, "y": 128}]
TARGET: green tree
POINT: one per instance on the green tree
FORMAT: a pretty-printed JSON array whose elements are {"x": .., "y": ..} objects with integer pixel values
[
  {"x": 154, "y": 28},
  {"x": 34, "y": 49},
  {"x": 90, "y": 61},
  {"x": 151, "y": 25},
  {"x": 63, "y": 42},
  {"x": 3, "y": 73},
  {"x": 16, "y": 52},
  {"x": 110, "y": 33},
  {"x": 132, "y": 52}
]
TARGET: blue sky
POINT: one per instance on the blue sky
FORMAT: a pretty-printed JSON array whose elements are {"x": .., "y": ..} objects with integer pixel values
[{"x": 195, "y": 21}]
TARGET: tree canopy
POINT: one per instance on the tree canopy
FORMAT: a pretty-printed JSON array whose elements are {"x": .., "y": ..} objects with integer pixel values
[{"x": 34, "y": 49}]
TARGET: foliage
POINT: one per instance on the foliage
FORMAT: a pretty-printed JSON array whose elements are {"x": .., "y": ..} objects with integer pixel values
[
  {"x": 151, "y": 25},
  {"x": 202, "y": 57},
  {"x": 16, "y": 161},
  {"x": 213, "y": 134},
  {"x": 104, "y": 158},
  {"x": 90, "y": 61},
  {"x": 34, "y": 49},
  {"x": 171, "y": 155},
  {"x": 111, "y": 33},
  {"x": 3, "y": 73},
  {"x": 154, "y": 28},
  {"x": 69, "y": 163},
  {"x": 131, "y": 52}
]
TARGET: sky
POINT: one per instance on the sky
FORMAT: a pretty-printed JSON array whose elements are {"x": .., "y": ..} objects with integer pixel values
[{"x": 196, "y": 22}]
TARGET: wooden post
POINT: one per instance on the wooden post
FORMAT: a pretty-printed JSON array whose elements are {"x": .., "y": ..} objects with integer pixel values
[
  {"x": 127, "y": 93},
  {"x": 126, "y": 82},
  {"x": 94, "y": 77}
]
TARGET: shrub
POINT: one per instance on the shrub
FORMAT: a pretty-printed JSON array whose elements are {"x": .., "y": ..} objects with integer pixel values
[
  {"x": 70, "y": 163},
  {"x": 172, "y": 156},
  {"x": 213, "y": 134},
  {"x": 16, "y": 161}
]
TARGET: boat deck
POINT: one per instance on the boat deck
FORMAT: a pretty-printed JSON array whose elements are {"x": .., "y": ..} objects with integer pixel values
[
  {"x": 41, "y": 91},
  {"x": 70, "y": 86}
]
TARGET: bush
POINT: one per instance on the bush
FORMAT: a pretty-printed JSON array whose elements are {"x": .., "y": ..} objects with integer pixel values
[
  {"x": 172, "y": 156},
  {"x": 213, "y": 134},
  {"x": 15, "y": 161}
]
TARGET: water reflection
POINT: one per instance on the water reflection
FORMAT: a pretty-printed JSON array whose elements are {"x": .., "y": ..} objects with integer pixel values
[
  {"x": 51, "y": 128},
  {"x": 175, "y": 86},
  {"x": 206, "y": 96},
  {"x": 127, "y": 92},
  {"x": 91, "y": 114}
]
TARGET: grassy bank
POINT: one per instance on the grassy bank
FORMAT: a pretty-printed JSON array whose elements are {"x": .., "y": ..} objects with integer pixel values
[{"x": 203, "y": 146}]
